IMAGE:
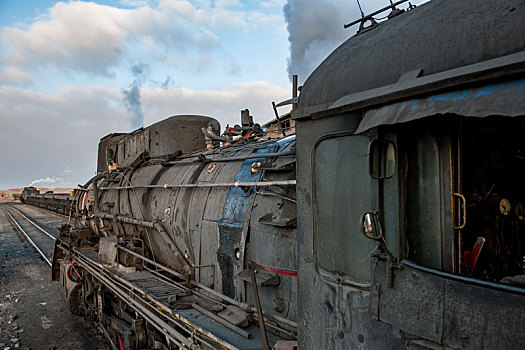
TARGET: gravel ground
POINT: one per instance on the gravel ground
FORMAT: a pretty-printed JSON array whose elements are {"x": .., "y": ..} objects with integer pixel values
[{"x": 32, "y": 312}]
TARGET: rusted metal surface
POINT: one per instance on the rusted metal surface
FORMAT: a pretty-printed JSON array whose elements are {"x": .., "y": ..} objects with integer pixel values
[
  {"x": 193, "y": 217},
  {"x": 125, "y": 150}
]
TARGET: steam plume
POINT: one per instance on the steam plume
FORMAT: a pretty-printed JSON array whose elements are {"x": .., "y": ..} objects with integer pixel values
[
  {"x": 315, "y": 29},
  {"x": 53, "y": 181},
  {"x": 49, "y": 181},
  {"x": 132, "y": 94}
]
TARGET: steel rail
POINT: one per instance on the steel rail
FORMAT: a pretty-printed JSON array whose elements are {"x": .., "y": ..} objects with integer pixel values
[
  {"x": 38, "y": 227},
  {"x": 28, "y": 238}
]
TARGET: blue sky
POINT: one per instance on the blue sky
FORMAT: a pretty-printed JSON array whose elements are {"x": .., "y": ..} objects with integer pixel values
[{"x": 66, "y": 68}]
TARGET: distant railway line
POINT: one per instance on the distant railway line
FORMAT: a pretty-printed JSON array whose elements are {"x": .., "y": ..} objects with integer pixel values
[{"x": 40, "y": 239}]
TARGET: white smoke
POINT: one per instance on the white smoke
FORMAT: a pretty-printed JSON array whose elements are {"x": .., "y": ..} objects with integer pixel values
[
  {"x": 132, "y": 100},
  {"x": 46, "y": 182},
  {"x": 315, "y": 29},
  {"x": 54, "y": 181}
]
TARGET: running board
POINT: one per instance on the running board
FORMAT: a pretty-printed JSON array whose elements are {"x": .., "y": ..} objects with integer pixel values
[{"x": 184, "y": 315}]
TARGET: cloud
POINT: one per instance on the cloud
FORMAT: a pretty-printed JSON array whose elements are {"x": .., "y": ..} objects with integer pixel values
[
  {"x": 221, "y": 14},
  {"x": 224, "y": 105},
  {"x": 134, "y": 3},
  {"x": 43, "y": 133},
  {"x": 93, "y": 38},
  {"x": 15, "y": 76},
  {"x": 76, "y": 35}
]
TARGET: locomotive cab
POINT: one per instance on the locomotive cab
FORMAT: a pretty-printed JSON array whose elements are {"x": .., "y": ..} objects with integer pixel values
[
  {"x": 410, "y": 184},
  {"x": 452, "y": 248}
]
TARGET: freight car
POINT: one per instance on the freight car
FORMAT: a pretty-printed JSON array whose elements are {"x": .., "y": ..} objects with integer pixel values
[
  {"x": 58, "y": 202},
  {"x": 403, "y": 229}
]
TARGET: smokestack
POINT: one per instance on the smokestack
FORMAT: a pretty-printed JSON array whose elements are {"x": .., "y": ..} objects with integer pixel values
[{"x": 294, "y": 90}]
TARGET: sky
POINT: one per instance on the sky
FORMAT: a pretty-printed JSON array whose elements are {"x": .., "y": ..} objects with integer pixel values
[{"x": 72, "y": 72}]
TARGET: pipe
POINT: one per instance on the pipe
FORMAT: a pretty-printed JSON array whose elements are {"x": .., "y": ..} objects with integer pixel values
[
  {"x": 215, "y": 137},
  {"x": 294, "y": 90},
  {"x": 262, "y": 327},
  {"x": 157, "y": 226},
  {"x": 230, "y": 184},
  {"x": 113, "y": 347},
  {"x": 178, "y": 254},
  {"x": 280, "y": 127},
  {"x": 276, "y": 195},
  {"x": 95, "y": 189},
  {"x": 233, "y": 159},
  {"x": 127, "y": 220}
]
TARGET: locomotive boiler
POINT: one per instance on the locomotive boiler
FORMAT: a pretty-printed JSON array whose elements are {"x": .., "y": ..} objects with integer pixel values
[{"x": 223, "y": 221}]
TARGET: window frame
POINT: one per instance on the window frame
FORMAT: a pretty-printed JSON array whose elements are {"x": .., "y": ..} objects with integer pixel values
[{"x": 328, "y": 275}]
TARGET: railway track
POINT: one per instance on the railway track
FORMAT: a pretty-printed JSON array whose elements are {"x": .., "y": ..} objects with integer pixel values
[
  {"x": 36, "y": 304},
  {"x": 40, "y": 239}
]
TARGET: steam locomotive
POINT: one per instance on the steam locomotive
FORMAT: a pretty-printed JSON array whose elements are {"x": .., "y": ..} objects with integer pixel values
[{"x": 393, "y": 219}]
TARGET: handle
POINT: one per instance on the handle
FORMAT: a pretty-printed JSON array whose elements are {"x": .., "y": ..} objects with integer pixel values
[{"x": 463, "y": 222}]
